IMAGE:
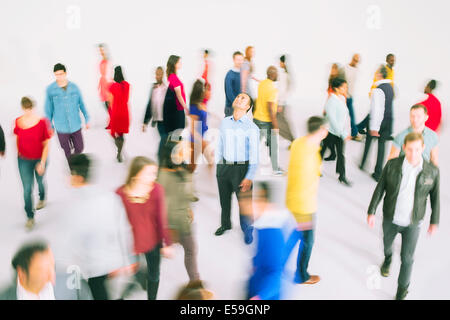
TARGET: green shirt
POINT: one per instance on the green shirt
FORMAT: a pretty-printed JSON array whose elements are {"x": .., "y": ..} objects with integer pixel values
[{"x": 430, "y": 139}]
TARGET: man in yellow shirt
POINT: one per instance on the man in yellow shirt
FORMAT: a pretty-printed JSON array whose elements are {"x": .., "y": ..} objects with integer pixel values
[
  {"x": 265, "y": 115},
  {"x": 301, "y": 194}
]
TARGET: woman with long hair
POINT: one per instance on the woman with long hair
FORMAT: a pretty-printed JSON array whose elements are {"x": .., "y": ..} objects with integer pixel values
[
  {"x": 175, "y": 101},
  {"x": 176, "y": 179},
  {"x": 33, "y": 134},
  {"x": 247, "y": 70},
  {"x": 144, "y": 202},
  {"x": 120, "y": 114}
]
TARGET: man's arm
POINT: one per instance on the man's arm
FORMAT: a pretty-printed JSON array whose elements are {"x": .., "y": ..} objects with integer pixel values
[
  {"x": 273, "y": 115},
  {"x": 218, "y": 152},
  {"x": 376, "y": 109},
  {"x": 379, "y": 191},
  {"x": 83, "y": 107},
  {"x": 2, "y": 142},
  {"x": 435, "y": 201},
  {"x": 148, "y": 110},
  {"x": 253, "y": 153},
  {"x": 434, "y": 156},
  {"x": 49, "y": 107}
]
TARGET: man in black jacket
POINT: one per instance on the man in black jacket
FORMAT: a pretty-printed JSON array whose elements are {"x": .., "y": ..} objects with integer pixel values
[
  {"x": 407, "y": 182},
  {"x": 2, "y": 142}
]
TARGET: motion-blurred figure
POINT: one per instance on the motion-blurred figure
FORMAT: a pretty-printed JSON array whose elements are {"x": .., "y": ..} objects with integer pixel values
[
  {"x": 271, "y": 225},
  {"x": 104, "y": 82},
  {"x": 433, "y": 106},
  {"x": 247, "y": 70},
  {"x": 194, "y": 290},
  {"x": 284, "y": 85},
  {"x": 36, "y": 278},
  {"x": 337, "y": 117},
  {"x": 236, "y": 157},
  {"x": 406, "y": 183},
  {"x": 154, "y": 110},
  {"x": 119, "y": 93},
  {"x": 351, "y": 75},
  {"x": 205, "y": 75},
  {"x": 2, "y": 142},
  {"x": 175, "y": 108},
  {"x": 265, "y": 116},
  {"x": 233, "y": 83},
  {"x": 301, "y": 194},
  {"x": 418, "y": 117},
  {"x": 144, "y": 201},
  {"x": 380, "y": 121},
  {"x": 33, "y": 136},
  {"x": 63, "y": 104}
]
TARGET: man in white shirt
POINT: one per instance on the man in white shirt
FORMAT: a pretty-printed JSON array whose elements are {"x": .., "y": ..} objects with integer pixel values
[{"x": 351, "y": 72}]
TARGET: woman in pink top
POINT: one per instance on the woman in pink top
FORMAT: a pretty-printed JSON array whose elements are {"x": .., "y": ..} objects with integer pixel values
[
  {"x": 33, "y": 134},
  {"x": 104, "y": 83},
  {"x": 175, "y": 106}
]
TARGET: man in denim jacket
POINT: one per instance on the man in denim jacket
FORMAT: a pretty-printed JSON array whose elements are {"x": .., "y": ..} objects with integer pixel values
[{"x": 62, "y": 108}]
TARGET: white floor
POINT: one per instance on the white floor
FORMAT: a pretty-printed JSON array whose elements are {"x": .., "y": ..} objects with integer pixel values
[{"x": 346, "y": 252}]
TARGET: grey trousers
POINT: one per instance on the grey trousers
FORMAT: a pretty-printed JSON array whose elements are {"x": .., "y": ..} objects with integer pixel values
[
  {"x": 410, "y": 235},
  {"x": 283, "y": 124}
]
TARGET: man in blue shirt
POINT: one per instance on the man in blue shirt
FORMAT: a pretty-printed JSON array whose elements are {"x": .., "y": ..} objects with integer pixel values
[
  {"x": 233, "y": 83},
  {"x": 237, "y": 160},
  {"x": 63, "y": 104}
]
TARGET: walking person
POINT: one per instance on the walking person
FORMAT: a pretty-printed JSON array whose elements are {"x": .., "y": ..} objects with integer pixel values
[
  {"x": 154, "y": 110},
  {"x": 62, "y": 108},
  {"x": 302, "y": 193},
  {"x": 33, "y": 136},
  {"x": 176, "y": 179},
  {"x": 433, "y": 106},
  {"x": 265, "y": 116},
  {"x": 236, "y": 157},
  {"x": 175, "y": 107},
  {"x": 119, "y": 93},
  {"x": 2, "y": 142},
  {"x": 351, "y": 75},
  {"x": 284, "y": 87},
  {"x": 380, "y": 121},
  {"x": 233, "y": 83},
  {"x": 418, "y": 116},
  {"x": 337, "y": 117},
  {"x": 247, "y": 71},
  {"x": 205, "y": 75},
  {"x": 405, "y": 184},
  {"x": 104, "y": 82},
  {"x": 144, "y": 201}
]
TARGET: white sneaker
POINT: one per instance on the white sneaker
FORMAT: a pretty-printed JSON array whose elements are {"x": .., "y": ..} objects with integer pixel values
[
  {"x": 40, "y": 205},
  {"x": 30, "y": 224},
  {"x": 278, "y": 173}
]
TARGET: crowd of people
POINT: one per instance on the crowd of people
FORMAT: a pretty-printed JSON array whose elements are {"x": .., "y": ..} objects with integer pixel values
[{"x": 152, "y": 209}]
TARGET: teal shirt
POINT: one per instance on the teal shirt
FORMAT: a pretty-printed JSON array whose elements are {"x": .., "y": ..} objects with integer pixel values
[{"x": 430, "y": 138}]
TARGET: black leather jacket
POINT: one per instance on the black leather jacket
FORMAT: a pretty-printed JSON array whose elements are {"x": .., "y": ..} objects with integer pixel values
[{"x": 427, "y": 183}]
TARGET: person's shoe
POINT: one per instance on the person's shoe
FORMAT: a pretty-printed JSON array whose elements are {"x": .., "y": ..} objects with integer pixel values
[
  {"x": 401, "y": 293},
  {"x": 221, "y": 231},
  {"x": 30, "y": 224},
  {"x": 248, "y": 237},
  {"x": 40, "y": 205},
  {"x": 375, "y": 177},
  {"x": 312, "y": 280},
  {"x": 357, "y": 138},
  {"x": 119, "y": 158},
  {"x": 384, "y": 270},
  {"x": 278, "y": 173},
  {"x": 390, "y": 138},
  {"x": 362, "y": 131},
  {"x": 345, "y": 182},
  {"x": 194, "y": 199},
  {"x": 330, "y": 158},
  {"x": 361, "y": 167}
]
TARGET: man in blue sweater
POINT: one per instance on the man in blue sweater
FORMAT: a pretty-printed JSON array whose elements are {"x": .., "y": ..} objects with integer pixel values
[{"x": 233, "y": 83}]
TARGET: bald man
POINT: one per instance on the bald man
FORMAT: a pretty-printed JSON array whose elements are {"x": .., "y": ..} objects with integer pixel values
[
  {"x": 351, "y": 72},
  {"x": 265, "y": 115}
]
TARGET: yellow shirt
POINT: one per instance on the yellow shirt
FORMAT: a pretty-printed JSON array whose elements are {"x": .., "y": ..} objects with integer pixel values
[
  {"x": 390, "y": 76},
  {"x": 267, "y": 92},
  {"x": 303, "y": 179}
]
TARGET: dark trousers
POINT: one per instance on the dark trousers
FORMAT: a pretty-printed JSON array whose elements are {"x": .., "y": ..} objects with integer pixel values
[
  {"x": 410, "y": 235},
  {"x": 163, "y": 138},
  {"x": 363, "y": 124},
  {"x": 153, "y": 258},
  {"x": 271, "y": 141},
  {"x": 380, "y": 154},
  {"x": 352, "y": 117},
  {"x": 69, "y": 141},
  {"x": 283, "y": 124},
  {"x": 27, "y": 171},
  {"x": 229, "y": 177},
  {"x": 306, "y": 239},
  {"x": 98, "y": 287},
  {"x": 334, "y": 142},
  {"x": 228, "y": 111}
]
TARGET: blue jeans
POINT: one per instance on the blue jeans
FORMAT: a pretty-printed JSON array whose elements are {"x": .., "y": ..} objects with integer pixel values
[
  {"x": 352, "y": 116},
  {"x": 304, "y": 252},
  {"x": 27, "y": 170}
]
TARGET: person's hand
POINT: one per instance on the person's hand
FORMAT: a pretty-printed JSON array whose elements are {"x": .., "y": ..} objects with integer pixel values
[
  {"x": 432, "y": 229},
  {"x": 167, "y": 252},
  {"x": 374, "y": 133},
  {"x": 2, "y": 153},
  {"x": 245, "y": 185},
  {"x": 255, "y": 298},
  {"x": 144, "y": 128},
  {"x": 131, "y": 269},
  {"x": 348, "y": 138},
  {"x": 88, "y": 126},
  {"x": 371, "y": 220},
  {"x": 40, "y": 168},
  {"x": 280, "y": 109}
]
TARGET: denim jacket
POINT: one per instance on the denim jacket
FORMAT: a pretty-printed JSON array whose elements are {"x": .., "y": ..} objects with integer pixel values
[{"x": 62, "y": 108}]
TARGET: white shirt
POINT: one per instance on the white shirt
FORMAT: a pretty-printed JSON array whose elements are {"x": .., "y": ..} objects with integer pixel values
[
  {"x": 405, "y": 200},
  {"x": 350, "y": 76},
  {"x": 45, "y": 294},
  {"x": 158, "y": 96},
  {"x": 377, "y": 102},
  {"x": 283, "y": 86}
]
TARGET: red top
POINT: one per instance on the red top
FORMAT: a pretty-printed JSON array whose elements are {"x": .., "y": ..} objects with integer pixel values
[
  {"x": 103, "y": 83},
  {"x": 30, "y": 141},
  {"x": 120, "y": 115},
  {"x": 434, "y": 112},
  {"x": 175, "y": 82},
  {"x": 148, "y": 220},
  {"x": 207, "y": 84}
]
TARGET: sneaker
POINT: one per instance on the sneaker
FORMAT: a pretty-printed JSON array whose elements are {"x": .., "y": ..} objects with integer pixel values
[
  {"x": 312, "y": 280},
  {"x": 345, "y": 182},
  {"x": 278, "y": 173},
  {"x": 40, "y": 205},
  {"x": 358, "y": 138},
  {"x": 30, "y": 224},
  {"x": 401, "y": 293},
  {"x": 384, "y": 270}
]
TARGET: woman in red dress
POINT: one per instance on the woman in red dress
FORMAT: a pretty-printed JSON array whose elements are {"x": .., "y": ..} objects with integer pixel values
[{"x": 120, "y": 114}]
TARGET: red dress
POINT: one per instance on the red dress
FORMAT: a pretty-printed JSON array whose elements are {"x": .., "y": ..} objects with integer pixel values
[
  {"x": 120, "y": 114},
  {"x": 434, "y": 112}
]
